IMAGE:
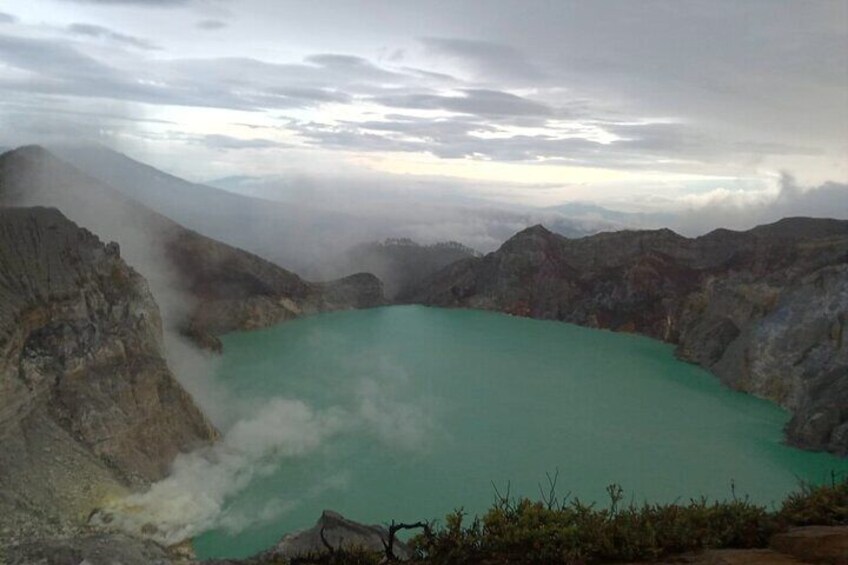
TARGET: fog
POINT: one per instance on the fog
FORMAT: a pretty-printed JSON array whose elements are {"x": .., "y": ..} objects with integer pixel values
[
  {"x": 306, "y": 222},
  {"x": 258, "y": 434},
  {"x": 265, "y": 433},
  {"x": 192, "y": 499},
  {"x": 741, "y": 211}
]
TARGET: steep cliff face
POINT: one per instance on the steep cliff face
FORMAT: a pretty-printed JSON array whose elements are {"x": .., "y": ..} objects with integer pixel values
[
  {"x": 88, "y": 406},
  {"x": 765, "y": 310},
  {"x": 204, "y": 287},
  {"x": 235, "y": 290},
  {"x": 401, "y": 263}
]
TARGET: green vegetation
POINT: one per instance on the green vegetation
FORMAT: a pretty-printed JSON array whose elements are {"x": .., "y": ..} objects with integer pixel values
[
  {"x": 560, "y": 530},
  {"x": 564, "y": 531}
]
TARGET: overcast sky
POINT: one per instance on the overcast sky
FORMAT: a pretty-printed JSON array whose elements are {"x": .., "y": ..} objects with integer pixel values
[{"x": 646, "y": 102}]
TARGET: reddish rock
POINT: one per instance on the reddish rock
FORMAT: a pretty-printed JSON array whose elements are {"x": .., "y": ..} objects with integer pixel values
[
  {"x": 815, "y": 544},
  {"x": 737, "y": 557}
]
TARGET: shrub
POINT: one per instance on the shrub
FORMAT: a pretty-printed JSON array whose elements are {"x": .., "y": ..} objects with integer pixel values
[{"x": 555, "y": 530}]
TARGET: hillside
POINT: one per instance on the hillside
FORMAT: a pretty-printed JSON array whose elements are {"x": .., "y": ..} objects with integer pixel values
[
  {"x": 765, "y": 310},
  {"x": 88, "y": 406},
  {"x": 204, "y": 287},
  {"x": 402, "y": 263}
]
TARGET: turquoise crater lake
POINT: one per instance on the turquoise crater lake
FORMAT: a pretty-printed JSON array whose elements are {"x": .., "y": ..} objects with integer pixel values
[{"x": 431, "y": 406}]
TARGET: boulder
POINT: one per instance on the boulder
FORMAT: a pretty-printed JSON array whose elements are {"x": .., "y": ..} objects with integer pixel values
[{"x": 339, "y": 533}]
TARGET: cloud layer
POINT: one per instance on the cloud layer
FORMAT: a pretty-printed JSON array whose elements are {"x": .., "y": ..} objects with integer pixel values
[{"x": 705, "y": 88}]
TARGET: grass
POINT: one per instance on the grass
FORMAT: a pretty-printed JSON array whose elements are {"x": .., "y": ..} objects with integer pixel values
[{"x": 564, "y": 530}]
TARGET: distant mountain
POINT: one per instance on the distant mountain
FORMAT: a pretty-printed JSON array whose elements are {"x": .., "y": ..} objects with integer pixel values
[
  {"x": 266, "y": 228},
  {"x": 402, "y": 263},
  {"x": 232, "y": 183},
  {"x": 588, "y": 212},
  {"x": 308, "y": 228},
  {"x": 203, "y": 286},
  {"x": 766, "y": 310}
]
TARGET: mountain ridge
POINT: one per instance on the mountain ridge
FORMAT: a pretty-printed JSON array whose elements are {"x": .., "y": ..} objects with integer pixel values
[
  {"x": 764, "y": 309},
  {"x": 229, "y": 288}
]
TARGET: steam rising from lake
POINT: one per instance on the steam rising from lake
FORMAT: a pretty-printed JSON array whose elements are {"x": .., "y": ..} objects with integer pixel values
[{"x": 192, "y": 499}]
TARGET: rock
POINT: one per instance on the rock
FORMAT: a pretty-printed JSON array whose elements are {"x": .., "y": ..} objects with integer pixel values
[
  {"x": 90, "y": 549},
  {"x": 362, "y": 290},
  {"x": 765, "y": 310},
  {"x": 204, "y": 287},
  {"x": 88, "y": 406},
  {"x": 401, "y": 263},
  {"x": 339, "y": 532},
  {"x": 736, "y": 557},
  {"x": 814, "y": 544}
]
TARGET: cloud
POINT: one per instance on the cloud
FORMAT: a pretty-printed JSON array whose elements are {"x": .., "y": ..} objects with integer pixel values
[
  {"x": 480, "y": 102},
  {"x": 57, "y": 67},
  {"x": 736, "y": 209},
  {"x": 630, "y": 146},
  {"x": 573, "y": 85},
  {"x": 211, "y": 24},
  {"x": 494, "y": 60},
  {"x": 7, "y": 18},
  {"x": 227, "y": 142},
  {"x": 355, "y": 68},
  {"x": 100, "y": 32},
  {"x": 145, "y": 3}
]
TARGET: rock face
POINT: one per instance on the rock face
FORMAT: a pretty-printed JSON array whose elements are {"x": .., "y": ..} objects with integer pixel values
[
  {"x": 814, "y": 544},
  {"x": 401, "y": 263},
  {"x": 91, "y": 549},
  {"x": 204, "y": 287},
  {"x": 339, "y": 533},
  {"x": 766, "y": 310},
  {"x": 88, "y": 406},
  {"x": 236, "y": 290}
]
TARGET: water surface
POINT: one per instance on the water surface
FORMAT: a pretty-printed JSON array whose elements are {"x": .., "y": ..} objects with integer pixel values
[{"x": 433, "y": 406}]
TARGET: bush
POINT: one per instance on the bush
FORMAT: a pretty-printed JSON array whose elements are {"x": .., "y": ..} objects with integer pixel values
[
  {"x": 569, "y": 531},
  {"x": 812, "y": 505}
]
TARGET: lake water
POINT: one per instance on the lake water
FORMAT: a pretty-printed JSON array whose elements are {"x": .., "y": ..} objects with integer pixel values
[{"x": 422, "y": 410}]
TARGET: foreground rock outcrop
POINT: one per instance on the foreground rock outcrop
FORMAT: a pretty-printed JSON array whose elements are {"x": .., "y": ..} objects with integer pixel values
[
  {"x": 88, "y": 406},
  {"x": 203, "y": 286},
  {"x": 337, "y": 532},
  {"x": 93, "y": 548},
  {"x": 765, "y": 310}
]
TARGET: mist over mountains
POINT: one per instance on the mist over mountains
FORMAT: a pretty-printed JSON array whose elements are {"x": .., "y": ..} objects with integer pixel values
[{"x": 307, "y": 223}]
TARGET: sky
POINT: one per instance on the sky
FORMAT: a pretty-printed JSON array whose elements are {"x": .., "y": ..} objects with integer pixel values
[{"x": 641, "y": 105}]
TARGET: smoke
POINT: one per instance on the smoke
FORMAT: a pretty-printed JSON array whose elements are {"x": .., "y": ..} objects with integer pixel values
[
  {"x": 194, "y": 497},
  {"x": 114, "y": 218},
  {"x": 408, "y": 425},
  {"x": 258, "y": 434}
]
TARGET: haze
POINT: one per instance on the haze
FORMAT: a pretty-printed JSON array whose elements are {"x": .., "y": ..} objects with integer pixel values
[{"x": 650, "y": 106}]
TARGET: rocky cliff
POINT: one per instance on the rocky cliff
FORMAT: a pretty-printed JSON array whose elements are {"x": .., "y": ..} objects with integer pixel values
[
  {"x": 765, "y": 310},
  {"x": 203, "y": 286},
  {"x": 401, "y": 263},
  {"x": 88, "y": 406}
]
